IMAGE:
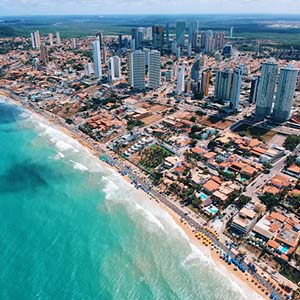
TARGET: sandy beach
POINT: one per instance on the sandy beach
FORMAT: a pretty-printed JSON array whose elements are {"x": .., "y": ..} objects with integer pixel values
[{"x": 244, "y": 280}]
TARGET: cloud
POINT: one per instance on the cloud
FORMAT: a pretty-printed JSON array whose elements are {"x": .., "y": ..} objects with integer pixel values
[{"x": 14, "y": 7}]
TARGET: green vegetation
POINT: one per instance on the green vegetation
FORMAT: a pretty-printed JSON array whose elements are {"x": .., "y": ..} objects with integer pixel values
[
  {"x": 152, "y": 157},
  {"x": 242, "y": 201},
  {"x": 269, "y": 200},
  {"x": 69, "y": 121},
  {"x": 292, "y": 142},
  {"x": 133, "y": 123}
]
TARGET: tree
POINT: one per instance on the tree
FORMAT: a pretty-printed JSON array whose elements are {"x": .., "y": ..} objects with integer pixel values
[
  {"x": 269, "y": 200},
  {"x": 290, "y": 160},
  {"x": 195, "y": 129},
  {"x": 193, "y": 143},
  {"x": 193, "y": 119},
  {"x": 292, "y": 142},
  {"x": 242, "y": 201},
  {"x": 69, "y": 121},
  {"x": 211, "y": 145}
]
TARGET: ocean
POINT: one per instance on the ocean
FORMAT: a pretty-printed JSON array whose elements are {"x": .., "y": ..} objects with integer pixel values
[{"x": 72, "y": 228}]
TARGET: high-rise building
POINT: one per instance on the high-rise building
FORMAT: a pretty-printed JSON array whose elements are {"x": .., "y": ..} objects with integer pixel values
[
  {"x": 114, "y": 68},
  {"x": 58, "y": 40},
  {"x": 44, "y": 55},
  {"x": 148, "y": 34},
  {"x": 168, "y": 34},
  {"x": 136, "y": 38},
  {"x": 219, "y": 40},
  {"x": 189, "y": 50},
  {"x": 193, "y": 30},
  {"x": 195, "y": 70},
  {"x": 132, "y": 45},
  {"x": 74, "y": 45},
  {"x": 205, "y": 82},
  {"x": 174, "y": 47},
  {"x": 137, "y": 69},
  {"x": 146, "y": 51},
  {"x": 236, "y": 87},
  {"x": 188, "y": 86},
  {"x": 223, "y": 85},
  {"x": 231, "y": 32},
  {"x": 180, "y": 80},
  {"x": 203, "y": 40},
  {"x": 180, "y": 33},
  {"x": 50, "y": 38},
  {"x": 266, "y": 89},
  {"x": 210, "y": 45},
  {"x": 209, "y": 34},
  {"x": 154, "y": 69},
  {"x": 35, "y": 40},
  {"x": 97, "y": 58},
  {"x": 88, "y": 69},
  {"x": 285, "y": 93},
  {"x": 227, "y": 50},
  {"x": 157, "y": 36},
  {"x": 126, "y": 43},
  {"x": 254, "y": 89},
  {"x": 99, "y": 35},
  {"x": 120, "y": 41}
]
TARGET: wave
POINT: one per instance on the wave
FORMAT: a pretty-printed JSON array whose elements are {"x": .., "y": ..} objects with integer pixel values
[
  {"x": 59, "y": 155},
  {"x": 79, "y": 166}
]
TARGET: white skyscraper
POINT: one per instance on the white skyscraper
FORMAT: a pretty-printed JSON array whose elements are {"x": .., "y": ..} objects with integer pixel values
[
  {"x": 35, "y": 40},
  {"x": 58, "y": 40},
  {"x": 74, "y": 45},
  {"x": 285, "y": 93},
  {"x": 88, "y": 69},
  {"x": 97, "y": 58},
  {"x": 236, "y": 87},
  {"x": 266, "y": 89},
  {"x": 137, "y": 69},
  {"x": 231, "y": 32},
  {"x": 180, "y": 80},
  {"x": 114, "y": 67},
  {"x": 154, "y": 69},
  {"x": 50, "y": 37}
]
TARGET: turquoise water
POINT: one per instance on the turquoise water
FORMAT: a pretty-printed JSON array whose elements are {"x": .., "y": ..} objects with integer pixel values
[
  {"x": 73, "y": 229},
  {"x": 213, "y": 210},
  {"x": 203, "y": 196},
  {"x": 284, "y": 249}
]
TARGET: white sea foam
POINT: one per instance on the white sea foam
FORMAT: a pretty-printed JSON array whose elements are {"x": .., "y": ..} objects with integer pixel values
[
  {"x": 59, "y": 155},
  {"x": 79, "y": 166},
  {"x": 195, "y": 256}
]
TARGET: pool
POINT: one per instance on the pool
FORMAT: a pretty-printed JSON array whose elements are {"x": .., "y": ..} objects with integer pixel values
[
  {"x": 243, "y": 179},
  {"x": 203, "y": 196},
  {"x": 284, "y": 249},
  {"x": 213, "y": 210}
]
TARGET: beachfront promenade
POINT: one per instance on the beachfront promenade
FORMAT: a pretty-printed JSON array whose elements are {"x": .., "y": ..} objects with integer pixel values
[{"x": 124, "y": 170}]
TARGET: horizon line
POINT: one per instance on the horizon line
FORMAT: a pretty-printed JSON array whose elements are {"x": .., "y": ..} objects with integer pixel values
[{"x": 154, "y": 14}]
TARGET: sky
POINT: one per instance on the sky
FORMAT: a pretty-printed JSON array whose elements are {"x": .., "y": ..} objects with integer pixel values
[{"x": 99, "y": 7}]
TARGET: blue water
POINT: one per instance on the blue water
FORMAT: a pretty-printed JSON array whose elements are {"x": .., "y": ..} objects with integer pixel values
[
  {"x": 72, "y": 228},
  {"x": 203, "y": 196},
  {"x": 213, "y": 210},
  {"x": 284, "y": 249}
]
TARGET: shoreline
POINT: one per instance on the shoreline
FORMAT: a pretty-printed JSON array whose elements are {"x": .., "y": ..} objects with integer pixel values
[{"x": 243, "y": 280}]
